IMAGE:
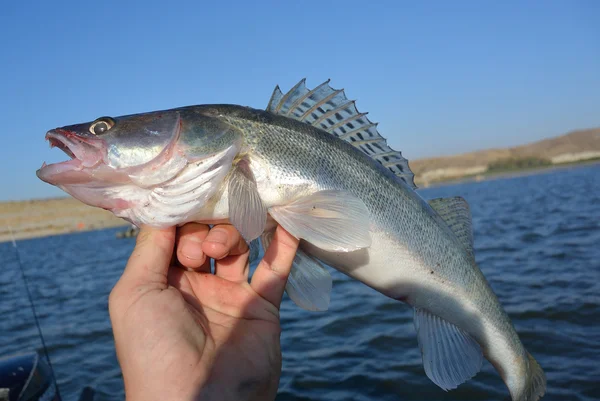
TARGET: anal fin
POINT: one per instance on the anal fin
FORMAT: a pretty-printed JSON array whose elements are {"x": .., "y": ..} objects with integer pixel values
[
  {"x": 309, "y": 283},
  {"x": 450, "y": 355}
]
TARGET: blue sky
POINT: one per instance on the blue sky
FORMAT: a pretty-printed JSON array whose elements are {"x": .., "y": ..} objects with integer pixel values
[{"x": 440, "y": 77}]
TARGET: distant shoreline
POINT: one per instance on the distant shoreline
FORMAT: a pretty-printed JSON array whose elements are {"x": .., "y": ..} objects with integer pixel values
[
  {"x": 509, "y": 173},
  {"x": 575, "y": 147},
  {"x": 47, "y": 217}
]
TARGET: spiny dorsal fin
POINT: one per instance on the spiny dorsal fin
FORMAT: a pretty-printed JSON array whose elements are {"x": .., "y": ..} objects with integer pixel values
[
  {"x": 275, "y": 98},
  {"x": 330, "y": 110},
  {"x": 456, "y": 213}
]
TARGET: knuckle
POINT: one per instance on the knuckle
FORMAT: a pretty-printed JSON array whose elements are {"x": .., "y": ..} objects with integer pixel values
[
  {"x": 288, "y": 245},
  {"x": 193, "y": 229},
  {"x": 285, "y": 239},
  {"x": 279, "y": 270},
  {"x": 242, "y": 247}
]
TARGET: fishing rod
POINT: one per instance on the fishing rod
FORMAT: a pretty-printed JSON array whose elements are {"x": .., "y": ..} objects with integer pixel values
[{"x": 35, "y": 317}]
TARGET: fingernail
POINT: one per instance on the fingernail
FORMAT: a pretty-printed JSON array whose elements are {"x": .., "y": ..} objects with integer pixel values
[
  {"x": 192, "y": 249},
  {"x": 218, "y": 236}
]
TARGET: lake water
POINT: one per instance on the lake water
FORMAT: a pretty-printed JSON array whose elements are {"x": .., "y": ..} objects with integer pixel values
[{"x": 537, "y": 240}]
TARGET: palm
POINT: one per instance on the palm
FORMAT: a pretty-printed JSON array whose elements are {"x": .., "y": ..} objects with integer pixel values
[
  {"x": 240, "y": 328},
  {"x": 217, "y": 335}
]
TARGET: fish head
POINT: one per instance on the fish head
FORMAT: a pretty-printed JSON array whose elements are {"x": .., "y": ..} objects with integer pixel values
[
  {"x": 113, "y": 146},
  {"x": 122, "y": 163}
]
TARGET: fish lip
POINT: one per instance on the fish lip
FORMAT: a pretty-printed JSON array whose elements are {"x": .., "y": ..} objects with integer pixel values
[
  {"x": 85, "y": 154},
  {"x": 89, "y": 151}
]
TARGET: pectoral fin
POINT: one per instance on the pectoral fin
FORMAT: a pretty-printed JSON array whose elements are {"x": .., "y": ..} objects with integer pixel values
[
  {"x": 309, "y": 283},
  {"x": 331, "y": 220},
  {"x": 450, "y": 355},
  {"x": 246, "y": 210}
]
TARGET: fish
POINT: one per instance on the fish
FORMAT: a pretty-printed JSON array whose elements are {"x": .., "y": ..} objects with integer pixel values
[{"x": 312, "y": 163}]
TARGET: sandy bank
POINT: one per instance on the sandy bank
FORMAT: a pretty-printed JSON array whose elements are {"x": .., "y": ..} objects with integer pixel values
[{"x": 40, "y": 218}]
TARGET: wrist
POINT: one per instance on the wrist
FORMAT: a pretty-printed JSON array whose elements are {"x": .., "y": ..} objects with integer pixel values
[
  {"x": 164, "y": 389},
  {"x": 165, "y": 394}
]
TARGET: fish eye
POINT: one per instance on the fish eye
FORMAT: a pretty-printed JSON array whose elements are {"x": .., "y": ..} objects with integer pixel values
[{"x": 101, "y": 125}]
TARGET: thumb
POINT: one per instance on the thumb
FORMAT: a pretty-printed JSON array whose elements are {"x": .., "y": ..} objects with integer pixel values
[{"x": 151, "y": 258}]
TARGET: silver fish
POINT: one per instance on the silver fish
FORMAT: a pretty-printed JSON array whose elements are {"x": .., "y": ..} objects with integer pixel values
[{"x": 315, "y": 165}]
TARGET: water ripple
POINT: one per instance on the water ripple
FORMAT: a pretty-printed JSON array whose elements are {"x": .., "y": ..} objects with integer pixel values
[{"x": 536, "y": 240}]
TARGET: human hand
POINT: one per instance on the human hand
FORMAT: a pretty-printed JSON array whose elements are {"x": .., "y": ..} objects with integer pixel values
[{"x": 193, "y": 335}]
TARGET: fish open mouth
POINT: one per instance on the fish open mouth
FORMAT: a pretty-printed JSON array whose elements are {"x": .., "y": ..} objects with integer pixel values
[
  {"x": 84, "y": 153},
  {"x": 55, "y": 143}
]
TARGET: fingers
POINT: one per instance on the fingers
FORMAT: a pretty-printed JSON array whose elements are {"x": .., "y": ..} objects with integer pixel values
[
  {"x": 272, "y": 273},
  {"x": 224, "y": 240},
  {"x": 150, "y": 260},
  {"x": 197, "y": 244},
  {"x": 189, "y": 247},
  {"x": 225, "y": 244},
  {"x": 233, "y": 268}
]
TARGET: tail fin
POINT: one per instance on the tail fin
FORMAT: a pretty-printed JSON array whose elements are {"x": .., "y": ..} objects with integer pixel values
[{"x": 537, "y": 381}]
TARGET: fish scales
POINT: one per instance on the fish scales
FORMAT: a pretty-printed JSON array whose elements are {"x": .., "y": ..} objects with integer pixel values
[{"x": 429, "y": 250}]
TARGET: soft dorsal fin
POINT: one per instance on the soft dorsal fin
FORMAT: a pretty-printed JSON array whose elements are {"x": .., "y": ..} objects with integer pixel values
[
  {"x": 457, "y": 215},
  {"x": 330, "y": 110}
]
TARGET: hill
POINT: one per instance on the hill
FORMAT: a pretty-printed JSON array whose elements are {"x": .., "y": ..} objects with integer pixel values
[{"x": 575, "y": 146}]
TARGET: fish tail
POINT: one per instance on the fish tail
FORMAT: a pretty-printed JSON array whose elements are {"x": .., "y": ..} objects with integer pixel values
[
  {"x": 536, "y": 385},
  {"x": 537, "y": 380}
]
